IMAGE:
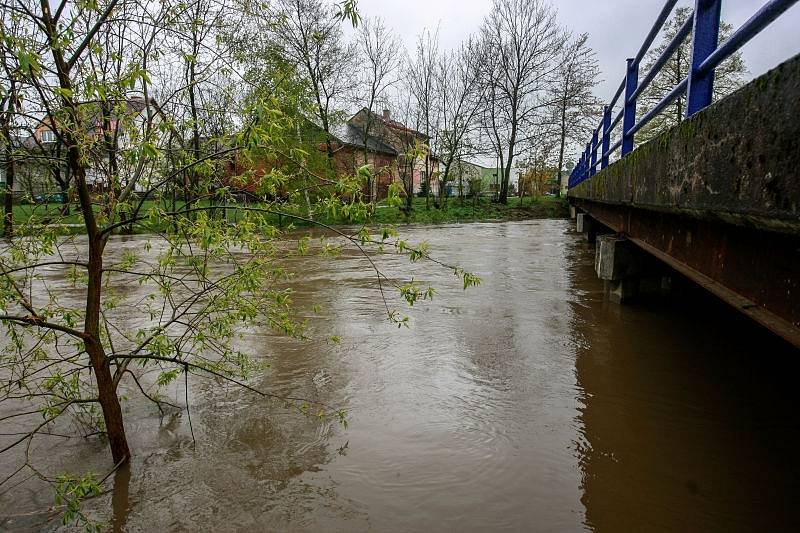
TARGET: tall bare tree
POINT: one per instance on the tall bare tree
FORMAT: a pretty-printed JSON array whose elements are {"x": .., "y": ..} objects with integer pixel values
[
  {"x": 380, "y": 56},
  {"x": 460, "y": 99},
  {"x": 420, "y": 78},
  {"x": 575, "y": 109},
  {"x": 310, "y": 34},
  {"x": 414, "y": 151},
  {"x": 521, "y": 44}
]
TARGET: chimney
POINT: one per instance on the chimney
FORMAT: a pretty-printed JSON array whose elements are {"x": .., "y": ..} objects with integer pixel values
[{"x": 386, "y": 114}]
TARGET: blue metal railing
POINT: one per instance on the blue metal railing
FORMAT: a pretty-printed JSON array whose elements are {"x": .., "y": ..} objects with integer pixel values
[{"x": 698, "y": 86}]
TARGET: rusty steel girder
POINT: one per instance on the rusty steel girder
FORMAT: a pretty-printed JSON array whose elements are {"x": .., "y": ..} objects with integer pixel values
[{"x": 756, "y": 271}]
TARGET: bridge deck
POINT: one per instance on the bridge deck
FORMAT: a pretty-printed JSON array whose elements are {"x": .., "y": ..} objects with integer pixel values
[{"x": 718, "y": 198}]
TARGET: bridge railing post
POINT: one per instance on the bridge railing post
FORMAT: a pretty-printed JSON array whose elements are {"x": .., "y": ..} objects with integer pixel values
[
  {"x": 583, "y": 167},
  {"x": 700, "y": 88},
  {"x": 593, "y": 162},
  {"x": 629, "y": 109},
  {"x": 606, "y": 137},
  {"x": 587, "y": 159}
]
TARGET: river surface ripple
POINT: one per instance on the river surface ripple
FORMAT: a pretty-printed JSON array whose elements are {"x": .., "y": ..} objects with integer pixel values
[{"x": 526, "y": 404}]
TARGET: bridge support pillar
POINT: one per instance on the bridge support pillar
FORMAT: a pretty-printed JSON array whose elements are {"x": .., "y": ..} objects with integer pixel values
[
  {"x": 573, "y": 212},
  {"x": 585, "y": 224},
  {"x": 628, "y": 272}
]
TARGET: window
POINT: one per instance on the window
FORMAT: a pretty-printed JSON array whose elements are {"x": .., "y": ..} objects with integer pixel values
[{"x": 48, "y": 136}]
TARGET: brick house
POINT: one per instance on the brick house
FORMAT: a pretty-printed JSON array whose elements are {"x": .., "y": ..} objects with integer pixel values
[{"x": 387, "y": 145}]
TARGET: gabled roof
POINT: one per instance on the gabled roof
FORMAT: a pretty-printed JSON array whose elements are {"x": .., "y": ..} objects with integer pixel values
[
  {"x": 393, "y": 124},
  {"x": 133, "y": 107},
  {"x": 353, "y": 136}
]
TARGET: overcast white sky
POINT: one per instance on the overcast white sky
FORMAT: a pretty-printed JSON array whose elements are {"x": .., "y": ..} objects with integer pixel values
[{"x": 616, "y": 27}]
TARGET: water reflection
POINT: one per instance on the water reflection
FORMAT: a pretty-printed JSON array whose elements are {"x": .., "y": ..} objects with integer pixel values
[
  {"x": 688, "y": 421},
  {"x": 120, "y": 498},
  {"x": 525, "y": 404}
]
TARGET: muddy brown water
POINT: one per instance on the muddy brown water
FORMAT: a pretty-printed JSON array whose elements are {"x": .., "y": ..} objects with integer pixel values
[{"x": 527, "y": 404}]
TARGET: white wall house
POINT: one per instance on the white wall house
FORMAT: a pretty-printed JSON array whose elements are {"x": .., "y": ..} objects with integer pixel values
[{"x": 130, "y": 123}]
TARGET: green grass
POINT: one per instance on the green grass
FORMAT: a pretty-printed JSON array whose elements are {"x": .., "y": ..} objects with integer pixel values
[
  {"x": 483, "y": 209},
  {"x": 29, "y": 217},
  {"x": 454, "y": 211},
  {"x": 45, "y": 213}
]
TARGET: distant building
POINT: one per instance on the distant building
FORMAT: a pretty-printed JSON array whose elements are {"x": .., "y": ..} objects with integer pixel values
[
  {"x": 388, "y": 144},
  {"x": 40, "y": 158},
  {"x": 462, "y": 176},
  {"x": 492, "y": 177}
]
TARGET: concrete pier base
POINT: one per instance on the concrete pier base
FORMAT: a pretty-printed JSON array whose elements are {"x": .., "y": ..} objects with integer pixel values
[
  {"x": 573, "y": 212},
  {"x": 586, "y": 225},
  {"x": 628, "y": 272},
  {"x": 621, "y": 291}
]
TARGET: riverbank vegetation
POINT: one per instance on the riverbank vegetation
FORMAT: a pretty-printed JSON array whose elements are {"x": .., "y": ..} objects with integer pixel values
[{"x": 32, "y": 217}]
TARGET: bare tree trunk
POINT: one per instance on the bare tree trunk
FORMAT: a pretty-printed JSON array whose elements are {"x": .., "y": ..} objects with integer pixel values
[
  {"x": 410, "y": 191},
  {"x": 62, "y": 181},
  {"x": 428, "y": 172},
  {"x": 370, "y": 196},
  {"x": 8, "y": 208},
  {"x": 65, "y": 206},
  {"x": 106, "y": 391},
  {"x": 461, "y": 185},
  {"x": 562, "y": 142},
  {"x": 507, "y": 168},
  {"x": 8, "y": 200}
]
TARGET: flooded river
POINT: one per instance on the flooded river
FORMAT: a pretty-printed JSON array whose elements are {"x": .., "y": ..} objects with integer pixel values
[{"x": 526, "y": 404}]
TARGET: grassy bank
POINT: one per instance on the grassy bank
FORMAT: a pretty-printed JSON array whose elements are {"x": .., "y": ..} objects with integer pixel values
[
  {"x": 454, "y": 211},
  {"x": 469, "y": 211}
]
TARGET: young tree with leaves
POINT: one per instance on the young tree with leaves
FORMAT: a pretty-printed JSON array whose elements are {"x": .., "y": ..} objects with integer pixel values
[{"x": 77, "y": 353}]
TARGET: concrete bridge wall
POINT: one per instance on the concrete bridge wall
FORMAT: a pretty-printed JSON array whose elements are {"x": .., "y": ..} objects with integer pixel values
[{"x": 718, "y": 198}]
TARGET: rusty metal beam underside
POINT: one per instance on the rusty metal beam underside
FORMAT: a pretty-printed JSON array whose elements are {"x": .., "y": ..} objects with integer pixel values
[{"x": 755, "y": 271}]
